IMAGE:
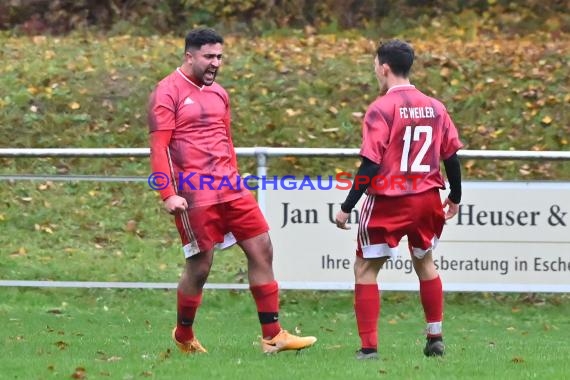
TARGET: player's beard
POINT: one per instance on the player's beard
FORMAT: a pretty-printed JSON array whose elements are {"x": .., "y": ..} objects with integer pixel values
[{"x": 209, "y": 76}]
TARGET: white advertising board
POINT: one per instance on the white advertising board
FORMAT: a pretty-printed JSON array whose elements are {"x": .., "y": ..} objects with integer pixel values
[{"x": 508, "y": 236}]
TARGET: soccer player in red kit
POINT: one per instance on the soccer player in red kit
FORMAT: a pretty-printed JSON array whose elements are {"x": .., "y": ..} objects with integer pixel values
[
  {"x": 405, "y": 135},
  {"x": 192, "y": 149}
]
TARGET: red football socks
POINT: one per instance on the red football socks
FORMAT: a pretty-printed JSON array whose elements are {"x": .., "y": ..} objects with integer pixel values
[
  {"x": 266, "y": 298},
  {"x": 431, "y": 295},
  {"x": 367, "y": 309},
  {"x": 187, "y": 306}
]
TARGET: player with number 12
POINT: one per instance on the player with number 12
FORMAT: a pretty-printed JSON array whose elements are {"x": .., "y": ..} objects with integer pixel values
[{"x": 404, "y": 133}]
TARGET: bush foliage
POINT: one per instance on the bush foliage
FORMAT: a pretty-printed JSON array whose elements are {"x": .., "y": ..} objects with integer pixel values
[{"x": 150, "y": 16}]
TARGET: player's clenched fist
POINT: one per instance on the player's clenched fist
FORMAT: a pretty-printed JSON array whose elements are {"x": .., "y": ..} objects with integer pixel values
[
  {"x": 175, "y": 204},
  {"x": 341, "y": 219}
]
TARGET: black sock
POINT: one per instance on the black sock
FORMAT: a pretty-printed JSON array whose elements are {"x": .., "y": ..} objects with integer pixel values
[{"x": 368, "y": 350}]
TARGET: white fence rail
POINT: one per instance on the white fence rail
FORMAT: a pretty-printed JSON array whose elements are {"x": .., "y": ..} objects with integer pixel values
[{"x": 274, "y": 152}]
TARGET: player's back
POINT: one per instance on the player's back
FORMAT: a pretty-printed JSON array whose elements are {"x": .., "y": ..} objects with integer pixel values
[{"x": 413, "y": 135}]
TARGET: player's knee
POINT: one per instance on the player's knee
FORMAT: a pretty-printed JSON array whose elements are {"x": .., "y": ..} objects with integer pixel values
[
  {"x": 366, "y": 270},
  {"x": 198, "y": 269},
  {"x": 267, "y": 247},
  {"x": 263, "y": 259},
  {"x": 259, "y": 250},
  {"x": 425, "y": 267},
  {"x": 200, "y": 277}
]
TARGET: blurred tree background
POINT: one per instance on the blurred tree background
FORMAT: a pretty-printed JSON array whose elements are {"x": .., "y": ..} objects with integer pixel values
[{"x": 257, "y": 16}]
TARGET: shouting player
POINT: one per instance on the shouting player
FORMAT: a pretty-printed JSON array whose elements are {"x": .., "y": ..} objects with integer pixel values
[
  {"x": 190, "y": 139},
  {"x": 405, "y": 134}
]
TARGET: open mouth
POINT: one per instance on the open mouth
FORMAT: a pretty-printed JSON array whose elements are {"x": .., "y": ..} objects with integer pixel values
[{"x": 209, "y": 75}]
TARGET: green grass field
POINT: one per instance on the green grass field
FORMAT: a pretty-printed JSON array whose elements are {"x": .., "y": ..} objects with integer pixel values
[{"x": 125, "y": 334}]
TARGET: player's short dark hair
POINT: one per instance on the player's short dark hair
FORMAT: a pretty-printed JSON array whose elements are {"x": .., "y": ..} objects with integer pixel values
[
  {"x": 399, "y": 55},
  {"x": 202, "y": 36}
]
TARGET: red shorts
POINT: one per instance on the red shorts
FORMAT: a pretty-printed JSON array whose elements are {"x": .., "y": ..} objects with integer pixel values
[
  {"x": 220, "y": 225},
  {"x": 385, "y": 220}
]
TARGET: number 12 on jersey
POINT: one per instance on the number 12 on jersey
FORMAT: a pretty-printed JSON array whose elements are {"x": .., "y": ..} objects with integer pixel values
[{"x": 417, "y": 166}]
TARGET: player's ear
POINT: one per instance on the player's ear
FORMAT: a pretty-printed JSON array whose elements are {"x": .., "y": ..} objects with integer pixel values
[{"x": 188, "y": 57}]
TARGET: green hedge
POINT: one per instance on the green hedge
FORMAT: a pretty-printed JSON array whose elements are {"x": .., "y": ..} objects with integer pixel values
[{"x": 150, "y": 16}]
